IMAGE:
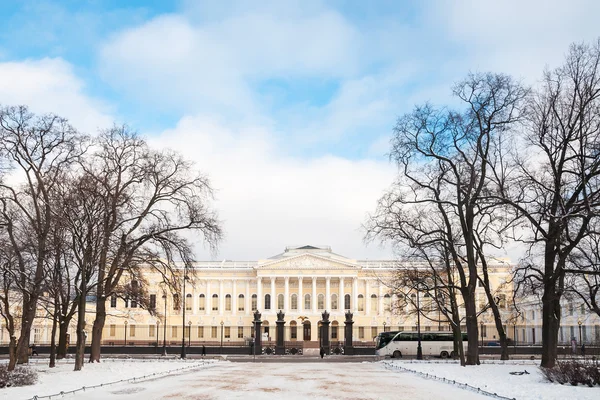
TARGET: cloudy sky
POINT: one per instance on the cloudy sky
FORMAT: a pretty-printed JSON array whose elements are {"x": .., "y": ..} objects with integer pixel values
[{"x": 287, "y": 105}]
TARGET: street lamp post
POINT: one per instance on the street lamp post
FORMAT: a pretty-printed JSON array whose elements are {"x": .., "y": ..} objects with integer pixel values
[
  {"x": 157, "y": 327},
  {"x": 384, "y": 326},
  {"x": 164, "y": 352},
  {"x": 189, "y": 333},
  {"x": 481, "y": 329},
  {"x": 183, "y": 305},
  {"x": 580, "y": 322},
  {"x": 125, "y": 333},
  {"x": 222, "y": 337},
  {"x": 419, "y": 348}
]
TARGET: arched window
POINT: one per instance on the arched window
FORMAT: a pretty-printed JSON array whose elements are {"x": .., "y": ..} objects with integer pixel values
[
  {"x": 346, "y": 301},
  {"x": 227, "y": 302},
  {"x": 280, "y": 304},
  {"x": 334, "y": 330},
  {"x": 267, "y": 301},
  {"x": 176, "y": 304},
  {"x": 294, "y": 301},
  {"x": 307, "y": 301},
  {"x": 201, "y": 302},
  {"x": 373, "y": 303},
  {"x": 361, "y": 302},
  {"x": 321, "y": 301},
  {"x": 254, "y": 300},
  {"x": 113, "y": 300},
  {"x": 215, "y": 302},
  {"x": 334, "y": 302},
  {"x": 428, "y": 303},
  {"x": 293, "y": 330},
  {"x": 266, "y": 329},
  {"x": 387, "y": 302},
  {"x": 188, "y": 302},
  {"x": 241, "y": 305}
]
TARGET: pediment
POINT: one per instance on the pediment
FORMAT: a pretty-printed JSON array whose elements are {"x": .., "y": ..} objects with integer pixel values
[{"x": 308, "y": 262}]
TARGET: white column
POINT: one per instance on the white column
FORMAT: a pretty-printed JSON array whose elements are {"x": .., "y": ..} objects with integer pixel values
[
  {"x": 259, "y": 294},
  {"x": 208, "y": 298},
  {"x": 300, "y": 296},
  {"x": 248, "y": 306},
  {"x": 341, "y": 296},
  {"x": 368, "y": 297},
  {"x": 354, "y": 295},
  {"x": 328, "y": 293},
  {"x": 273, "y": 295},
  {"x": 286, "y": 295},
  {"x": 234, "y": 298},
  {"x": 314, "y": 295},
  {"x": 221, "y": 297}
]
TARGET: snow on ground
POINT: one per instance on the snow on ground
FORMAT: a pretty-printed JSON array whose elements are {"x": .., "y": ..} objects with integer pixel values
[
  {"x": 496, "y": 378},
  {"x": 63, "y": 378}
]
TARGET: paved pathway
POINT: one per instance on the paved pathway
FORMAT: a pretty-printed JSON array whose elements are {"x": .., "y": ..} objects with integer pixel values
[{"x": 288, "y": 381}]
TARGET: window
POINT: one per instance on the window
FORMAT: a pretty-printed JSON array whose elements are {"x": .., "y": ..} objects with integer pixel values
[
  {"x": 293, "y": 330},
  {"x": 113, "y": 300},
  {"x": 186, "y": 331},
  {"x": 240, "y": 332},
  {"x": 254, "y": 298},
  {"x": 152, "y": 301},
  {"x": 227, "y": 302},
  {"x": 227, "y": 332},
  {"x": 188, "y": 302},
  {"x": 361, "y": 302},
  {"x": 113, "y": 330},
  {"x": 175, "y": 302},
  {"x": 267, "y": 301},
  {"x": 334, "y": 302},
  {"x": 387, "y": 302},
  {"x": 266, "y": 329},
  {"x": 215, "y": 302},
  {"x": 213, "y": 331},
  {"x": 361, "y": 332},
  {"x": 334, "y": 330},
  {"x": 280, "y": 304},
  {"x": 241, "y": 305},
  {"x": 321, "y": 301},
  {"x": 307, "y": 301},
  {"x": 151, "y": 330},
  {"x": 133, "y": 303},
  {"x": 571, "y": 310},
  {"x": 347, "y": 301},
  {"x": 294, "y": 301},
  {"x": 173, "y": 331},
  {"x": 373, "y": 303},
  {"x": 132, "y": 330},
  {"x": 201, "y": 302},
  {"x": 200, "y": 332},
  {"x": 373, "y": 332}
]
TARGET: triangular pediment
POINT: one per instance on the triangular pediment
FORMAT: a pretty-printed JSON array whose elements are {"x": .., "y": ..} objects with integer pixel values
[{"x": 308, "y": 262}]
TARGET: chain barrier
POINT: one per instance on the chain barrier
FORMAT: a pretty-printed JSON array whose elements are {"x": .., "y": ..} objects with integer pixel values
[
  {"x": 129, "y": 380},
  {"x": 390, "y": 365}
]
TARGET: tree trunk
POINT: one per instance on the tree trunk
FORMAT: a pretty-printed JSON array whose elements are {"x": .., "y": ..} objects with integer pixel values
[
  {"x": 97, "y": 329},
  {"x": 52, "y": 363},
  {"x": 26, "y": 323},
  {"x": 12, "y": 351},
  {"x": 81, "y": 335},
  {"x": 472, "y": 329},
  {"x": 550, "y": 326},
  {"x": 63, "y": 345}
]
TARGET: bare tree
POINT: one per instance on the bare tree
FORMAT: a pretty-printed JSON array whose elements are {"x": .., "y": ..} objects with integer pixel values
[
  {"x": 36, "y": 150},
  {"x": 554, "y": 184},
  {"x": 151, "y": 198},
  {"x": 443, "y": 158}
]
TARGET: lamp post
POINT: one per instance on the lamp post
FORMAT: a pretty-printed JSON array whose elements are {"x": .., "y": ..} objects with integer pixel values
[
  {"x": 419, "y": 348},
  {"x": 164, "y": 352},
  {"x": 125, "y": 333},
  {"x": 157, "y": 326},
  {"x": 183, "y": 305},
  {"x": 580, "y": 322},
  {"x": 481, "y": 329},
  {"x": 189, "y": 333},
  {"x": 222, "y": 336},
  {"x": 384, "y": 326}
]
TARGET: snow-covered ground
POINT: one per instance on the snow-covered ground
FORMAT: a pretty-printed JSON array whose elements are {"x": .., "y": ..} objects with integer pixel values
[{"x": 193, "y": 379}]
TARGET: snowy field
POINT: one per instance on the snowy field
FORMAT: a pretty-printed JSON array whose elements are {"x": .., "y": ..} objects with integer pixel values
[{"x": 194, "y": 379}]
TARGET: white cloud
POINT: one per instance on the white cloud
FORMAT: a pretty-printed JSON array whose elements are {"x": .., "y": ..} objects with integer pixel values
[
  {"x": 50, "y": 85},
  {"x": 269, "y": 200}
]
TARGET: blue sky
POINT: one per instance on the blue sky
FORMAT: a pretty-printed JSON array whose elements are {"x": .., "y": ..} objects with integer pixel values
[{"x": 287, "y": 105}]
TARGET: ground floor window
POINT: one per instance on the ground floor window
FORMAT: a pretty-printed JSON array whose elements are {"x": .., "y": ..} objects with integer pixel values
[
  {"x": 361, "y": 332},
  {"x": 213, "y": 331},
  {"x": 240, "y": 332},
  {"x": 227, "y": 332},
  {"x": 334, "y": 332},
  {"x": 112, "y": 330},
  {"x": 151, "y": 330},
  {"x": 173, "y": 331},
  {"x": 373, "y": 332},
  {"x": 200, "y": 331}
]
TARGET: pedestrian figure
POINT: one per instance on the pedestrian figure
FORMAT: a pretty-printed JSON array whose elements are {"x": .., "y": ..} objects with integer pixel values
[
  {"x": 203, "y": 350},
  {"x": 322, "y": 352},
  {"x": 583, "y": 350},
  {"x": 33, "y": 350},
  {"x": 573, "y": 345}
]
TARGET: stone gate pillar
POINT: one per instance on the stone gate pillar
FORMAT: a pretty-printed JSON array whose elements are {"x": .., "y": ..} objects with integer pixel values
[
  {"x": 325, "y": 332},
  {"x": 279, "y": 346},
  {"x": 257, "y": 334},
  {"x": 348, "y": 347}
]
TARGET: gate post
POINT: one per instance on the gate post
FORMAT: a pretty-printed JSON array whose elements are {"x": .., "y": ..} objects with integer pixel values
[
  {"x": 257, "y": 334},
  {"x": 325, "y": 332},
  {"x": 348, "y": 348},
  {"x": 280, "y": 347}
]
